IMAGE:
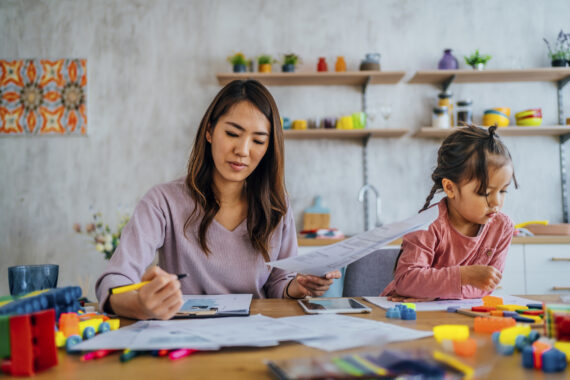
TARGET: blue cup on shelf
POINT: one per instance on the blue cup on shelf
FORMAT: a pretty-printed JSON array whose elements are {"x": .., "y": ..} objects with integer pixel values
[{"x": 28, "y": 278}]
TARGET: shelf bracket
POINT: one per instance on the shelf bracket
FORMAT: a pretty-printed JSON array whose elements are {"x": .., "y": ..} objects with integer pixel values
[
  {"x": 364, "y": 88},
  {"x": 447, "y": 83}
]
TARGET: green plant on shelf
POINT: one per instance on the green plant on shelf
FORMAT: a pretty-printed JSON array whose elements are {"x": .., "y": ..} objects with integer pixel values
[
  {"x": 291, "y": 59},
  {"x": 238, "y": 59},
  {"x": 265, "y": 59},
  {"x": 561, "y": 49},
  {"x": 477, "y": 58}
]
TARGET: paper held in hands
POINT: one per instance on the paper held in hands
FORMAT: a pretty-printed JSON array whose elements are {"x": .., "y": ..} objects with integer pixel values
[{"x": 335, "y": 256}]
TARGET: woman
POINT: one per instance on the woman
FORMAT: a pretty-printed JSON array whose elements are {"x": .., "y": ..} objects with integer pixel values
[{"x": 221, "y": 224}]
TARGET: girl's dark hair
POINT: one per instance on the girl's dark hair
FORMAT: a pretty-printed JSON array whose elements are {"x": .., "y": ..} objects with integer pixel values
[
  {"x": 265, "y": 187},
  {"x": 465, "y": 155}
]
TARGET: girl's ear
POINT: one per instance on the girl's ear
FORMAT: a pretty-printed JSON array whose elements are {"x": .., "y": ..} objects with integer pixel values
[{"x": 449, "y": 187}]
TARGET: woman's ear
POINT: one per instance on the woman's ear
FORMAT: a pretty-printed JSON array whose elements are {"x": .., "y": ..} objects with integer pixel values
[
  {"x": 449, "y": 187},
  {"x": 209, "y": 134}
]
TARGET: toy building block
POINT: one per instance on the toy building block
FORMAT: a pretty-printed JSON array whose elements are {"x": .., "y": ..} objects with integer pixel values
[
  {"x": 393, "y": 313},
  {"x": 553, "y": 360},
  {"x": 69, "y": 324},
  {"x": 492, "y": 301},
  {"x": 511, "y": 307},
  {"x": 61, "y": 299},
  {"x": 451, "y": 332},
  {"x": 32, "y": 343},
  {"x": 483, "y": 309},
  {"x": 4, "y": 337},
  {"x": 538, "y": 348},
  {"x": 490, "y": 325},
  {"x": 409, "y": 305},
  {"x": 408, "y": 314},
  {"x": 509, "y": 335},
  {"x": 466, "y": 347}
]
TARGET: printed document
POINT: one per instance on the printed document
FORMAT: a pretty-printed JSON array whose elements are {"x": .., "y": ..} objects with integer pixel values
[
  {"x": 444, "y": 304},
  {"x": 336, "y": 256}
]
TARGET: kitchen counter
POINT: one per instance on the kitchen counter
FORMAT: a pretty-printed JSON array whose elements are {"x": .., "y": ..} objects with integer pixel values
[{"x": 543, "y": 239}]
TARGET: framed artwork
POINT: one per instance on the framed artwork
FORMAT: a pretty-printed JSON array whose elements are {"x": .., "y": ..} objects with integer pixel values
[{"x": 43, "y": 97}]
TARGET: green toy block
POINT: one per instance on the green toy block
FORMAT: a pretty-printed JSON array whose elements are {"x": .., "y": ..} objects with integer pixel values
[{"x": 4, "y": 336}]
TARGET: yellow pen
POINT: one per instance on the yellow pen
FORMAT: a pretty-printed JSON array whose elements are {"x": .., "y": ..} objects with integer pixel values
[{"x": 131, "y": 287}]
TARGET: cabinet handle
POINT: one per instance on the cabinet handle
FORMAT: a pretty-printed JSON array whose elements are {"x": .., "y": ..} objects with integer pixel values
[
  {"x": 560, "y": 259},
  {"x": 561, "y": 288}
]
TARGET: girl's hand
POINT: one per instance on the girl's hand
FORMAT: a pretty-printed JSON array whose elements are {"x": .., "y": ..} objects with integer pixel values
[
  {"x": 394, "y": 297},
  {"x": 161, "y": 298},
  {"x": 484, "y": 277},
  {"x": 307, "y": 285}
]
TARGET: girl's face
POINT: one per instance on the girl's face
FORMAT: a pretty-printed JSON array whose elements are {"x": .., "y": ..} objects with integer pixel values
[
  {"x": 239, "y": 141},
  {"x": 467, "y": 208}
]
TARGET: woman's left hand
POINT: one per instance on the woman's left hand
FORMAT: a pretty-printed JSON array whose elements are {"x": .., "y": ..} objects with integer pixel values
[{"x": 307, "y": 285}]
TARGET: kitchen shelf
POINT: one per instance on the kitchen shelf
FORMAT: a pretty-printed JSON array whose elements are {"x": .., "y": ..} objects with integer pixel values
[
  {"x": 556, "y": 130},
  {"x": 344, "y": 133},
  {"x": 439, "y": 77},
  {"x": 352, "y": 78}
]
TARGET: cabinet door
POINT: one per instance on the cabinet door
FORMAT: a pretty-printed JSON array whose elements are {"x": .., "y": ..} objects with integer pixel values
[
  {"x": 513, "y": 281},
  {"x": 548, "y": 268}
]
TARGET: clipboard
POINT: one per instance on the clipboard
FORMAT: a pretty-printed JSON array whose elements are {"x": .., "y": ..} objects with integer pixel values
[{"x": 214, "y": 306}]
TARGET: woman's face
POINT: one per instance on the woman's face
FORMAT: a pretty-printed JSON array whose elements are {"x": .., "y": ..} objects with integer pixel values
[{"x": 239, "y": 141}]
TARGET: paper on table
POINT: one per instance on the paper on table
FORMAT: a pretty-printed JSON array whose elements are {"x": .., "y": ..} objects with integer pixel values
[
  {"x": 342, "y": 332},
  {"x": 444, "y": 304},
  {"x": 336, "y": 256},
  {"x": 201, "y": 334},
  {"x": 223, "y": 303}
]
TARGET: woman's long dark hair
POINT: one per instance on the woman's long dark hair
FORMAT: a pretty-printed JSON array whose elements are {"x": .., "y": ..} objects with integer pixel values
[
  {"x": 265, "y": 187},
  {"x": 464, "y": 155}
]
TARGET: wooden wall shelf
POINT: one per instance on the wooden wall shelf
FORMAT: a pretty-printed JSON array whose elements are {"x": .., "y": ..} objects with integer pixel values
[
  {"x": 344, "y": 133},
  {"x": 352, "y": 78},
  {"x": 437, "y": 77},
  {"x": 556, "y": 130}
]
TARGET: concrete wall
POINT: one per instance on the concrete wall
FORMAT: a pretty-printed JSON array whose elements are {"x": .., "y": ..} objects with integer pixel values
[{"x": 151, "y": 74}]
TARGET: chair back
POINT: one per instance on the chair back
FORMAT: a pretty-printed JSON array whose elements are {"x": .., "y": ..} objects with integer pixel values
[{"x": 369, "y": 275}]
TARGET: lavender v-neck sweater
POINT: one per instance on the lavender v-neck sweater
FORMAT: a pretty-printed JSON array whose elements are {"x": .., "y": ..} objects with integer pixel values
[{"x": 233, "y": 266}]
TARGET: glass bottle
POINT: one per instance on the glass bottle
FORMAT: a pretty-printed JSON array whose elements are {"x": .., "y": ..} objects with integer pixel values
[
  {"x": 464, "y": 112},
  {"x": 440, "y": 117},
  {"x": 448, "y": 61},
  {"x": 444, "y": 100},
  {"x": 340, "y": 64},
  {"x": 322, "y": 64}
]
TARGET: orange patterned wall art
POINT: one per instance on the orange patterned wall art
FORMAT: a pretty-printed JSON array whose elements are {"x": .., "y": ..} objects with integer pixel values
[{"x": 43, "y": 97}]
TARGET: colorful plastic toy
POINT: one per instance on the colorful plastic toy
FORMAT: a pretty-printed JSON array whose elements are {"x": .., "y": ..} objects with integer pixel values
[
  {"x": 451, "y": 332},
  {"x": 62, "y": 300},
  {"x": 490, "y": 325},
  {"x": 492, "y": 301}
]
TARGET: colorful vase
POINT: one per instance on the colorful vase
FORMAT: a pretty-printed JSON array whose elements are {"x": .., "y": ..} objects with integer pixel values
[
  {"x": 322, "y": 64},
  {"x": 448, "y": 61}
]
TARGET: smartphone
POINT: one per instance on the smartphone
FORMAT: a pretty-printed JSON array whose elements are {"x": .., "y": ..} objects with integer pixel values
[{"x": 333, "y": 305}]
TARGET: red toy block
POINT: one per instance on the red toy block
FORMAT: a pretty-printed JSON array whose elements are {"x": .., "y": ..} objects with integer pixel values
[
  {"x": 538, "y": 349},
  {"x": 32, "y": 343},
  {"x": 532, "y": 312},
  {"x": 483, "y": 309}
]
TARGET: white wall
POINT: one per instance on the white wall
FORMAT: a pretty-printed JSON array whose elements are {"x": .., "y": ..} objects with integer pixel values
[{"x": 151, "y": 74}]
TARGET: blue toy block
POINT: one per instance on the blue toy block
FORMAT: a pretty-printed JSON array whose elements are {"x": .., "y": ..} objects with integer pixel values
[
  {"x": 505, "y": 349},
  {"x": 553, "y": 360},
  {"x": 534, "y": 306},
  {"x": 495, "y": 337},
  {"x": 528, "y": 357},
  {"x": 393, "y": 313},
  {"x": 401, "y": 307},
  {"x": 533, "y": 336},
  {"x": 408, "y": 314},
  {"x": 521, "y": 342},
  {"x": 61, "y": 299}
]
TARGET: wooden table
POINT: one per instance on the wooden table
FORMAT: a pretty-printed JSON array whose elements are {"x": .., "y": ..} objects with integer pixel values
[{"x": 248, "y": 363}]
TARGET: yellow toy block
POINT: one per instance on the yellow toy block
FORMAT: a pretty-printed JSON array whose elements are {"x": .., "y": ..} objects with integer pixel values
[
  {"x": 564, "y": 347},
  {"x": 409, "y": 305},
  {"x": 114, "y": 323},
  {"x": 511, "y": 307},
  {"x": 509, "y": 335},
  {"x": 451, "y": 332},
  {"x": 492, "y": 301},
  {"x": 59, "y": 339},
  {"x": 94, "y": 322}
]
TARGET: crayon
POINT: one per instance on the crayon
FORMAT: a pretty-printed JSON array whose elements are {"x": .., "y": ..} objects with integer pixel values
[
  {"x": 96, "y": 355},
  {"x": 128, "y": 354},
  {"x": 138, "y": 285},
  {"x": 181, "y": 353}
]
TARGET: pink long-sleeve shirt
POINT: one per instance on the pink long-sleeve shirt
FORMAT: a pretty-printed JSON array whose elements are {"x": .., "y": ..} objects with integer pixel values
[
  {"x": 233, "y": 266},
  {"x": 429, "y": 264}
]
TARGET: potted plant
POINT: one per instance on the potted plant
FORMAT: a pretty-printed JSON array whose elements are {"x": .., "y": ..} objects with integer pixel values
[
  {"x": 289, "y": 62},
  {"x": 264, "y": 62},
  {"x": 239, "y": 62},
  {"x": 477, "y": 61},
  {"x": 560, "y": 55}
]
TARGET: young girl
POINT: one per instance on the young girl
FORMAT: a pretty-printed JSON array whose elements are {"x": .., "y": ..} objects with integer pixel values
[
  {"x": 220, "y": 224},
  {"x": 462, "y": 254}
]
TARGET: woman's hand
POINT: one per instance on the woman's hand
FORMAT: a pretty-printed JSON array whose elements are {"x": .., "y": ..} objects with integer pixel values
[
  {"x": 161, "y": 298},
  {"x": 304, "y": 285},
  {"x": 484, "y": 277}
]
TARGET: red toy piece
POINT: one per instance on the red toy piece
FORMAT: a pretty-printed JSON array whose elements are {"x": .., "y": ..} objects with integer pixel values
[
  {"x": 483, "y": 309},
  {"x": 32, "y": 343}
]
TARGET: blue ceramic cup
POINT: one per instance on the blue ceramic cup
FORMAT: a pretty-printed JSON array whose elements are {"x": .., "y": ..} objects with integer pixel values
[{"x": 28, "y": 278}]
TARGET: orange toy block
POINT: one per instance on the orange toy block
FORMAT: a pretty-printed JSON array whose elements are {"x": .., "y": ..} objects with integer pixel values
[
  {"x": 492, "y": 301},
  {"x": 69, "y": 324},
  {"x": 466, "y": 347},
  {"x": 490, "y": 325}
]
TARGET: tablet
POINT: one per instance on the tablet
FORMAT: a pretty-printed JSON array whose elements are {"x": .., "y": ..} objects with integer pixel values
[{"x": 333, "y": 305}]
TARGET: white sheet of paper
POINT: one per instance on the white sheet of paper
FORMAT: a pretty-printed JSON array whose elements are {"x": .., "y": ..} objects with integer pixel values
[
  {"x": 335, "y": 256},
  {"x": 225, "y": 303},
  {"x": 444, "y": 304},
  {"x": 201, "y": 334},
  {"x": 342, "y": 332}
]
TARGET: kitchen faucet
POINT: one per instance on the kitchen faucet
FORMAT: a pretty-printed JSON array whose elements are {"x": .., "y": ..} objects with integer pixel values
[{"x": 378, "y": 202}]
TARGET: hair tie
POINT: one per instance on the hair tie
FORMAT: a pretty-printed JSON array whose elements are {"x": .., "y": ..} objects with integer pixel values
[{"x": 492, "y": 132}]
